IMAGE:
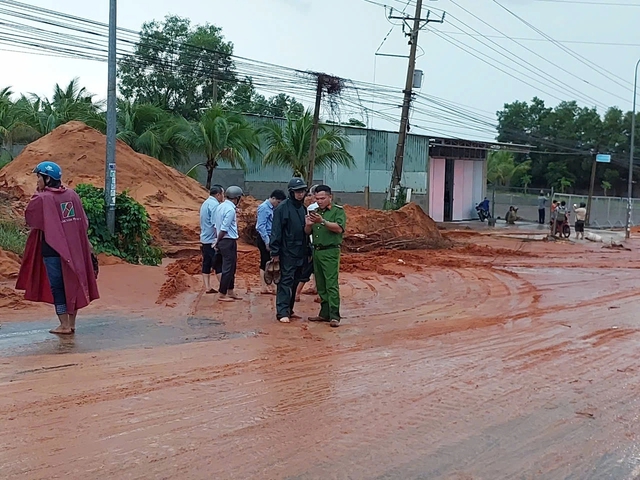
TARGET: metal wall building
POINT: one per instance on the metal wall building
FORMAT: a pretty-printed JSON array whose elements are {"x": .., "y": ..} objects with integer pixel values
[{"x": 447, "y": 177}]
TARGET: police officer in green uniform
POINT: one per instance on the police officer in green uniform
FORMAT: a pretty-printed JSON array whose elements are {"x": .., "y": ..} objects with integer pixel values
[{"x": 327, "y": 225}]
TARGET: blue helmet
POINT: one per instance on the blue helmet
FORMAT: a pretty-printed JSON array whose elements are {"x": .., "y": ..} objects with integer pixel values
[{"x": 50, "y": 169}]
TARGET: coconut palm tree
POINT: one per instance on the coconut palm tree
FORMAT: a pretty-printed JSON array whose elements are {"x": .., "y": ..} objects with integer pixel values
[
  {"x": 150, "y": 130},
  {"x": 67, "y": 104},
  {"x": 13, "y": 127},
  {"x": 501, "y": 168},
  {"x": 222, "y": 136},
  {"x": 288, "y": 145}
]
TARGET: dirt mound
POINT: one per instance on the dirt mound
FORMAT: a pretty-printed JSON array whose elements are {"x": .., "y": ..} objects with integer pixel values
[
  {"x": 408, "y": 227},
  {"x": 10, "y": 298},
  {"x": 172, "y": 199},
  {"x": 247, "y": 216},
  {"x": 180, "y": 273},
  {"x": 9, "y": 265}
]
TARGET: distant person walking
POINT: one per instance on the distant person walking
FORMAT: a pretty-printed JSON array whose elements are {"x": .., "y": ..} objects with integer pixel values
[
  {"x": 290, "y": 247},
  {"x": 264, "y": 223},
  {"x": 327, "y": 224},
  {"x": 542, "y": 207},
  {"x": 581, "y": 216},
  {"x": 226, "y": 225},
  {"x": 58, "y": 266},
  {"x": 211, "y": 260}
]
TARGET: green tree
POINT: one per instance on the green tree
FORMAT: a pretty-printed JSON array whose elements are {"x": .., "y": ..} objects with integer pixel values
[
  {"x": 564, "y": 183},
  {"x": 245, "y": 99},
  {"x": 174, "y": 65},
  {"x": 222, "y": 136},
  {"x": 501, "y": 168},
  {"x": 288, "y": 146},
  {"x": 605, "y": 186},
  {"x": 525, "y": 181},
  {"x": 10, "y": 120},
  {"x": 150, "y": 130},
  {"x": 67, "y": 104}
]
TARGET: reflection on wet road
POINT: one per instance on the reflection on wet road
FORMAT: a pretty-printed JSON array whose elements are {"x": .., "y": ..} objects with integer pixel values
[{"x": 106, "y": 333}]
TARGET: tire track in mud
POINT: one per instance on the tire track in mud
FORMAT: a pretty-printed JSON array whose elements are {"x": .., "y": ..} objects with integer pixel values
[{"x": 509, "y": 392}]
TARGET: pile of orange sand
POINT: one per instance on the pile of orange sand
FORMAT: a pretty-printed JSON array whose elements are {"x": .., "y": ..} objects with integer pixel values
[
  {"x": 9, "y": 265},
  {"x": 172, "y": 199},
  {"x": 408, "y": 227}
]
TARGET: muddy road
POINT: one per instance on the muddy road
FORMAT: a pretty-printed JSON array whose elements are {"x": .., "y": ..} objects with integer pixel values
[{"x": 498, "y": 359}]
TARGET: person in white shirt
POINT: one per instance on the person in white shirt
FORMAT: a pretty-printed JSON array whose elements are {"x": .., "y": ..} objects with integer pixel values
[
  {"x": 581, "y": 216},
  {"x": 210, "y": 259},
  {"x": 227, "y": 242}
]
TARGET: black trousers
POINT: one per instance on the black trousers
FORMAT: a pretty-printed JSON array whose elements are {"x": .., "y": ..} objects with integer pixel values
[
  {"x": 541, "y": 215},
  {"x": 265, "y": 256},
  {"x": 291, "y": 273},
  {"x": 228, "y": 248}
]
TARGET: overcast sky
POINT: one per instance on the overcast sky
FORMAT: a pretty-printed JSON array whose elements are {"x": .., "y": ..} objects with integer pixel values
[{"x": 341, "y": 36}]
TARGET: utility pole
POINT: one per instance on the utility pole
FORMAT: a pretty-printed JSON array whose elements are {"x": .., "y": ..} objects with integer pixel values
[
  {"x": 396, "y": 176},
  {"x": 592, "y": 185},
  {"x": 215, "y": 91},
  {"x": 110, "y": 167},
  {"x": 632, "y": 148},
  {"x": 314, "y": 131}
]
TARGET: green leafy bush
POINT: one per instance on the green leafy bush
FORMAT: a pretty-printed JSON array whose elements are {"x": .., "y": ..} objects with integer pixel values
[
  {"x": 13, "y": 237},
  {"x": 132, "y": 240}
]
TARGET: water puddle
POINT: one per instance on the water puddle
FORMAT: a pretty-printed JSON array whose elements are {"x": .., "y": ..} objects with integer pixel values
[{"x": 109, "y": 333}]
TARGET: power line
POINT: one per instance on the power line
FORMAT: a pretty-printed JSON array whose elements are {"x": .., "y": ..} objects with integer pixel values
[
  {"x": 537, "y": 55},
  {"x": 577, "y": 56},
  {"x": 529, "y": 39}
]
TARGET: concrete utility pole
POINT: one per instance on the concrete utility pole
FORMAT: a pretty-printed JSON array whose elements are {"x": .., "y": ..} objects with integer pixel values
[
  {"x": 591, "y": 186},
  {"x": 396, "y": 176},
  {"x": 110, "y": 168},
  {"x": 314, "y": 131},
  {"x": 631, "y": 149}
]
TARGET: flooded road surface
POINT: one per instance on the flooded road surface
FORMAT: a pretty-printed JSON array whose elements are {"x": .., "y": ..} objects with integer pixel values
[{"x": 522, "y": 366}]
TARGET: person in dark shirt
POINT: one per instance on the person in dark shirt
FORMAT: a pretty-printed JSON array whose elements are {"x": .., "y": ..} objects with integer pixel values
[{"x": 289, "y": 246}]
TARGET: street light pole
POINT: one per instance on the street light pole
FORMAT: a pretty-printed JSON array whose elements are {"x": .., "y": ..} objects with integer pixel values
[{"x": 631, "y": 149}]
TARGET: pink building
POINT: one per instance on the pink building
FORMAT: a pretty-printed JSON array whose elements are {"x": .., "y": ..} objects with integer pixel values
[{"x": 457, "y": 178}]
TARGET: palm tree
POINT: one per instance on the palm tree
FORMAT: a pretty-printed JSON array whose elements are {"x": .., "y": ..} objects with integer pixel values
[
  {"x": 223, "y": 137},
  {"x": 150, "y": 130},
  {"x": 288, "y": 146},
  {"x": 501, "y": 168},
  {"x": 12, "y": 124},
  {"x": 67, "y": 104}
]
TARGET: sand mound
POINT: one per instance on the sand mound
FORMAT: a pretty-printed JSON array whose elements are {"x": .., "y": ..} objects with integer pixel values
[
  {"x": 9, "y": 265},
  {"x": 181, "y": 272},
  {"x": 408, "y": 227},
  {"x": 172, "y": 199}
]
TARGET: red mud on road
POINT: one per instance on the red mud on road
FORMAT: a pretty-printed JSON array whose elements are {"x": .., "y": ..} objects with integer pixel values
[{"x": 497, "y": 359}]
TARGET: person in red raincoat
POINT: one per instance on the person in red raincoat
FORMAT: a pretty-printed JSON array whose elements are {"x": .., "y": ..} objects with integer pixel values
[{"x": 58, "y": 266}]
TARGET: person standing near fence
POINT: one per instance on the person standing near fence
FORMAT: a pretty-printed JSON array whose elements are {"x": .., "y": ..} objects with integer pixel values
[
  {"x": 581, "y": 215},
  {"x": 542, "y": 207}
]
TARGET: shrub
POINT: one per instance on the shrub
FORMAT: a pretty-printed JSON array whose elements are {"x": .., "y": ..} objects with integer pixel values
[
  {"x": 12, "y": 237},
  {"x": 132, "y": 239}
]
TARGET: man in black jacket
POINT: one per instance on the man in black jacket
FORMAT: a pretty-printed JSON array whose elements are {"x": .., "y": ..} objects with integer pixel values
[{"x": 289, "y": 246}]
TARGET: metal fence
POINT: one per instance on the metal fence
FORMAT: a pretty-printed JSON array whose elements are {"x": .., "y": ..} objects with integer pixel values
[{"x": 606, "y": 212}]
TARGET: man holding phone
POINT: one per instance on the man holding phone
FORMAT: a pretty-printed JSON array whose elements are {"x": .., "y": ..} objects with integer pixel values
[{"x": 327, "y": 225}]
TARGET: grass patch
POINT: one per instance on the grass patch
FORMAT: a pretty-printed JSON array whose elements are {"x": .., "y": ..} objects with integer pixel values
[{"x": 12, "y": 237}]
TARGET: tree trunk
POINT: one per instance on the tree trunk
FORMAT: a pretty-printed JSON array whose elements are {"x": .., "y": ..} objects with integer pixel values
[{"x": 209, "y": 175}]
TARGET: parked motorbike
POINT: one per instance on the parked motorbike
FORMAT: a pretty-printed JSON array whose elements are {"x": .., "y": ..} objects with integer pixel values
[{"x": 483, "y": 212}]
